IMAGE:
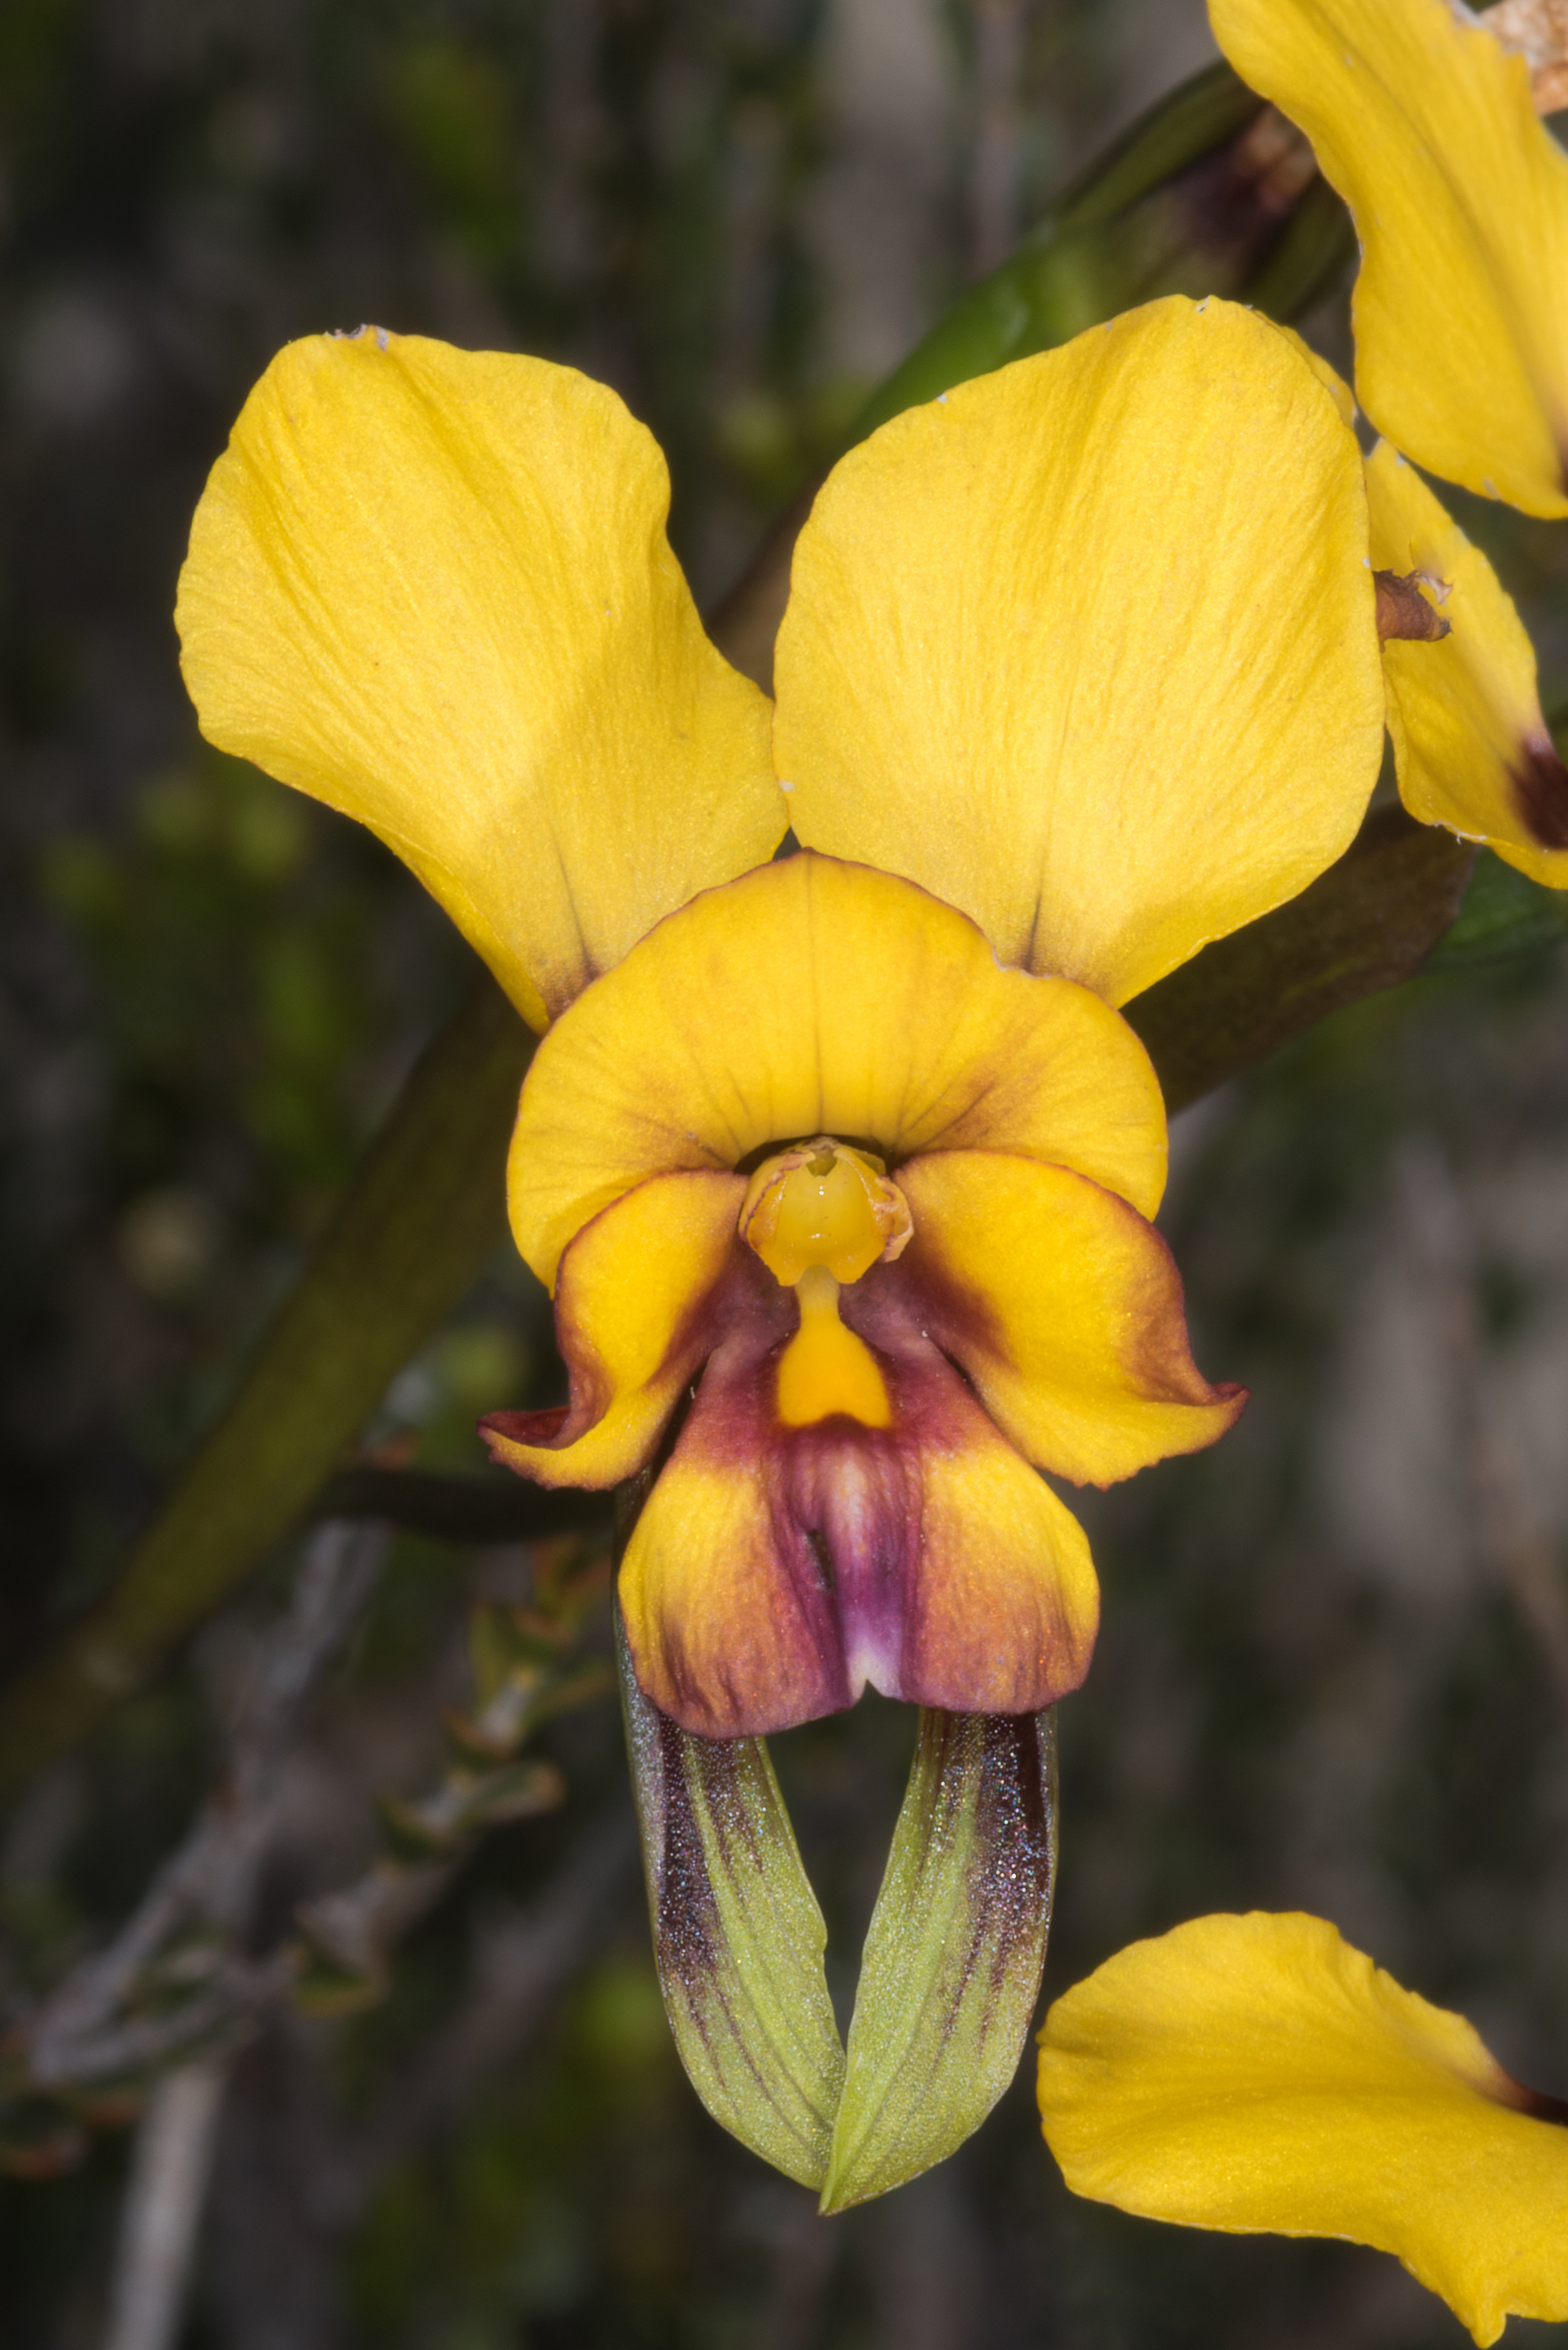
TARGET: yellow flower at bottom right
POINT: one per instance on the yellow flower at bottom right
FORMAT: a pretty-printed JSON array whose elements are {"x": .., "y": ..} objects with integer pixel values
[{"x": 1256, "y": 2074}]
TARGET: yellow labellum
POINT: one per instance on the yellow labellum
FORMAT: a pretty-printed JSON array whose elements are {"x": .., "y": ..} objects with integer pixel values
[{"x": 826, "y": 1367}]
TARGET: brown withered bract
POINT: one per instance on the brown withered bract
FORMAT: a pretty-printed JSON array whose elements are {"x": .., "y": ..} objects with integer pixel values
[
  {"x": 1404, "y": 611},
  {"x": 1538, "y": 31}
]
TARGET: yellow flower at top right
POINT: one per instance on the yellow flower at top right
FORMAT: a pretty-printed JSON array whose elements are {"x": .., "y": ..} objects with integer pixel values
[{"x": 1426, "y": 123}]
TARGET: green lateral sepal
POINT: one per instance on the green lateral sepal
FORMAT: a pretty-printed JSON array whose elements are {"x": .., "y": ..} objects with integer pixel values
[
  {"x": 738, "y": 1936},
  {"x": 953, "y": 1958}
]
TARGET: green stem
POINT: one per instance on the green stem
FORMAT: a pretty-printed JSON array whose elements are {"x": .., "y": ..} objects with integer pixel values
[{"x": 411, "y": 1236}]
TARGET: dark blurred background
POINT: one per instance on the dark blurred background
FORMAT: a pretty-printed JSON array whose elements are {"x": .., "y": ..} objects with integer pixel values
[{"x": 1334, "y": 1673}]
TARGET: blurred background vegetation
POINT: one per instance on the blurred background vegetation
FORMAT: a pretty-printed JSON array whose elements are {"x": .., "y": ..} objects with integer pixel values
[{"x": 1334, "y": 1673}]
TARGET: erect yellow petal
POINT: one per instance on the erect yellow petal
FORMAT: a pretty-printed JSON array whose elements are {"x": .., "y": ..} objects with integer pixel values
[
  {"x": 1064, "y": 1308},
  {"x": 1460, "y": 201},
  {"x": 1327, "y": 374},
  {"x": 629, "y": 1320},
  {"x": 1250, "y": 2074},
  {"x": 815, "y": 998},
  {"x": 1086, "y": 647},
  {"x": 1471, "y": 747},
  {"x": 432, "y": 587}
]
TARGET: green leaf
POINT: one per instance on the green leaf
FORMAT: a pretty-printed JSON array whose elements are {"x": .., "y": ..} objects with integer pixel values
[
  {"x": 738, "y": 1936},
  {"x": 1504, "y": 913},
  {"x": 952, "y": 1962}
]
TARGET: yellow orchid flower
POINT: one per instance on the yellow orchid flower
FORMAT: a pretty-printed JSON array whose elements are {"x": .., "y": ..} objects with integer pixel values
[
  {"x": 1257, "y": 2074},
  {"x": 838, "y": 1167},
  {"x": 1427, "y": 128},
  {"x": 1425, "y": 121}
]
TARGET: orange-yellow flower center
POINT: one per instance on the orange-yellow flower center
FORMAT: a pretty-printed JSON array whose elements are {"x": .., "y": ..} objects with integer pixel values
[{"x": 818, "y": 1216}]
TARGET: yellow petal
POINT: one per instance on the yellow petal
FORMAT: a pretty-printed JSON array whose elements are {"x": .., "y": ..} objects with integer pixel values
[
  {"x": 814, "y": 998},
  {"x": 1064, "y": 1308},
  {"x": 1332, "y": 382},
  {"x": 1256, "y": 2073},
  {"x": 432, "y": 589},
  {"x": 1460, "y": 201},
  {"x": 1471, "y": 747},
  {"x": 1086, "y": 646},
  {"x": 629, "y": 1321}
]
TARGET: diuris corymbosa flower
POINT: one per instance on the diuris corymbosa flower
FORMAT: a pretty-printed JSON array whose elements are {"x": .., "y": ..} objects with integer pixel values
[
  {"x": 840, "y": 1166},
  {"x": 1424, "y": 117},
  {"x": 849, "y": 1158}
]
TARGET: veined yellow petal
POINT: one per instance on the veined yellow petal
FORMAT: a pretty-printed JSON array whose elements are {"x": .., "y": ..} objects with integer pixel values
[
  {"x": 1086, "y": 647},
  {"x": 1471, "y": 747},
  {"x": 815, "y": 998},
  {"x": 1328, "y": 375},
  {"x": 1257, "y": 2074},
  {"x": 630, "y": 1318},
  {"x": 432, "y": 587},
  {"x": 1064, "y": 1308},
  {"x": 1460, "y": 201}
]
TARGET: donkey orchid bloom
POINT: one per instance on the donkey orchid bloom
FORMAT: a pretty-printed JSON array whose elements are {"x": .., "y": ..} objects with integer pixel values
[
  {"x": 1426, "y": 124},
  {"x": 1257, "y": 2074},
  {"x": 848, "y": 1158}
]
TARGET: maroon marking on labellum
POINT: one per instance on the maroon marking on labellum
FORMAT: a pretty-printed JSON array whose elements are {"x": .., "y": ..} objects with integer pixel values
[
  {"x": 523, "y": 1428},
  {"x": 745, "y": 1293},
  {"x": 841, "y": 1575},
  {"x": 968, "y": 1332},
  {"x": 1539, "y": 783},
  {"x": 1404, "y": 612}
]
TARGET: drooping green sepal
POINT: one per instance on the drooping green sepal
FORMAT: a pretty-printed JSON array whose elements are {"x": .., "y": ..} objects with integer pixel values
[
  {"x": 953, "y": 1958},
  {"x": 738, "y": 1936}
]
